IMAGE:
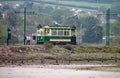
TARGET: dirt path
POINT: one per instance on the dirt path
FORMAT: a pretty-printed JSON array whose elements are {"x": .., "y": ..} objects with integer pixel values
[{"x": 55, "y": 71}]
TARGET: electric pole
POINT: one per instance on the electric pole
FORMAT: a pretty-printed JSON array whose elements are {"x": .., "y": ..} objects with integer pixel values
[
  {"x": 25, "y": 14},
  {"x": 24, "y": 25},
  {"x": 108, "y": 27}
]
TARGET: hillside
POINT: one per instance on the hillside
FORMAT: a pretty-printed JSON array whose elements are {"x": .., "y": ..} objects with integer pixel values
[
  {"x": 86, "y": 4},
  {"x": 76, "y": 4},
  {"x": 95, "y": 1}
]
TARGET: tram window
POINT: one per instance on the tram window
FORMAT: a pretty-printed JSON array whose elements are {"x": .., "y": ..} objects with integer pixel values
[
  {"x": 60, "y": 32},
  {"x": 41, "y": 33},
  {"x": 38, "y": 32},
  {"x": 66, "y": 32},
  {"x": 54, "y": 32}
]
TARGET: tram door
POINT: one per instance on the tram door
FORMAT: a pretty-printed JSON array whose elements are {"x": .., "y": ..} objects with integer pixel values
[{"x": 40, "y": 36}]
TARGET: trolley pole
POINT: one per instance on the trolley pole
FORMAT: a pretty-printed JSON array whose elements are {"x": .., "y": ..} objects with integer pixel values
[
  {"x": 108, "y": 27},
  {"x": 24, "y": 25}
]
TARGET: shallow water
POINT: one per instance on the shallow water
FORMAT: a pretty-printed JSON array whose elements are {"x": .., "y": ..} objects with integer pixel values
[{"x": 33, "y": 72}]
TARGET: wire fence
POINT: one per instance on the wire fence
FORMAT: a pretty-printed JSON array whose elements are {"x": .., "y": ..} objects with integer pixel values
[{"x": 107, "y": 58}]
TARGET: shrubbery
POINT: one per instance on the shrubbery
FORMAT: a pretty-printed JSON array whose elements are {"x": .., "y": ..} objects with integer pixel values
[
  {"x": 69, "y": 47},
  {"x": 48, "y": 46}
]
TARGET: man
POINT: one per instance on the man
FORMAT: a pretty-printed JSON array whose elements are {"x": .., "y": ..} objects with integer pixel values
[{"x": 28, "y": 40}]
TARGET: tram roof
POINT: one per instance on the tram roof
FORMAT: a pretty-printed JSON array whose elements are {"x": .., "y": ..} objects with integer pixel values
[{"x": 57, "y": 27}]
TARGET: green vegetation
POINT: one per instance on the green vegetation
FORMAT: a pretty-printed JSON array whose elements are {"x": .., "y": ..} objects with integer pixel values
[
  {"x": 23, "y": 48},
  {"x": 80, "y": 4},
  {"x": 87, "y": 4},
  {"x": 59, "y": 55},
  {"x": 1, "y": 32},
  {"x": 111, "y": 66},
  {"x": 1, "y": 16},
  {"x": 48, "y": 46},
  {"x": 2, "y": 38},
  {"x": 90, "y": 25},
  {"x": 118, "y": 50},
  {"x": 75, "y": 48},
  {"x": 69, "y": 47},
  {"x": 95, "y": 1},
  {"x": 95, "y": 49},
  {"x": 93, "y": 33}
]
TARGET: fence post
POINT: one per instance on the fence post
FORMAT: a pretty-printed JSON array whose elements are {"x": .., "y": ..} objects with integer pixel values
[
  {"x": 42, "y": 60},
  {"x": 115, "y": 57},
  {"x": 102, "y": 58},
  {"x": 12, "y": 60},
  {"x": 56, "y": 59},
  {"x": 69, "y": 59},
  {"x": 22, "y": 59},
  {"x": 88, "y": 57}
]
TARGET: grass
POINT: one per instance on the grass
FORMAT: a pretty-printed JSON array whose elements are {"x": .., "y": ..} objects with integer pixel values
[
  {"x": 104, "y": 68},
  {"x": 97, "y": 49},
  {"x": 111, "y": 66},
  {"x": 61, "y": 53}
]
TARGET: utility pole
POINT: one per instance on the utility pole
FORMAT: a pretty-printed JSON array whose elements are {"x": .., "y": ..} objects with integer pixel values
[
  {"x": 108, "y": 27},
  {"x": 24, "y": 25},
  {"x": 25, "y": 13}
]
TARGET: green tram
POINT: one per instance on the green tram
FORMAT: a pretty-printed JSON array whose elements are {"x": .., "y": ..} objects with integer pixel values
[{"x": 56, "y": 34}]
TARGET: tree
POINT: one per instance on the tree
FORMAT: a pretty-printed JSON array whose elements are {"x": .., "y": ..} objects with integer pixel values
[
  {"x": 13, "y": 19},
  {"x": 115, "y": 28},
  {"x": 47, "y": 9},
  {"x": 102, "y": 9},
  {"x": 93, "y": 33},
  {"x": 28, "y": 5},
  {"x": 90, "y": 21},
  {"x": 115, "y": 8},
  {"x": 71, "y": 20},
  {"x": 1, "y": 34},
  {"x": 6, "y": 8},
  {"x": 115, "y": 33},
  {"x": 60, "y": 14},
  {"x": 1, "y": 15}
]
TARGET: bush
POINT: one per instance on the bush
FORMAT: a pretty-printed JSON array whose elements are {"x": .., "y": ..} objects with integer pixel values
[
  {"x": 2, "y": 40},
  {"x": 14, "y": 40},
  {"x": 69, "y": 47},
  {"x": 48, "y": 46},
  {"x": 118, "y": 50},
  {"x": 23, "y": 48}
]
